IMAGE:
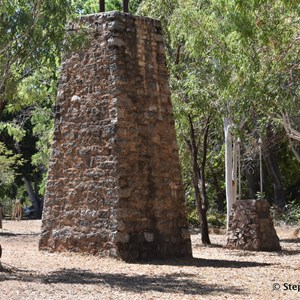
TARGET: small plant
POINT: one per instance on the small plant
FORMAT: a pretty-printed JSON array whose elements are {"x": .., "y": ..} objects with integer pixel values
[
  {"x": 193, "y": 218},
  {"x": 260, "y": 196},
  {"x": 289, "y": 215},
  {"x": 216, "y": 219}
]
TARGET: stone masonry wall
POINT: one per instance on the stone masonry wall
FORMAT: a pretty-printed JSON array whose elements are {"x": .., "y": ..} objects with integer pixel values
[
  {"x": 251, "y": 227},
  {"x": 114, "y": 185}
]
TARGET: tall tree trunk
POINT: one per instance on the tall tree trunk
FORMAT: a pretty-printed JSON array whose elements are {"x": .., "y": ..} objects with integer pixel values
[
  {"x": 33, "y": 198},
  {"x": 200, "y": 193},
  {"x": 234, "y": 179},
  {"x": 220, "y": 196},
  {"x": 202, "y": 177},
  {"x": 36, "y": 186},
  {"x": 230, "y": 169}
]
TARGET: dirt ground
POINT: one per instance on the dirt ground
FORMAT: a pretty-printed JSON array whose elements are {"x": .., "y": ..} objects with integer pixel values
[{"x": 213, "y": 273}]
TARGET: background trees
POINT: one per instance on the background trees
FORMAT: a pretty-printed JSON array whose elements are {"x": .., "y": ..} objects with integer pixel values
[
  {"x": 227, "y": 59},
  {"x": 31, "y": 42},
  {"x": 235, "y": 60}
]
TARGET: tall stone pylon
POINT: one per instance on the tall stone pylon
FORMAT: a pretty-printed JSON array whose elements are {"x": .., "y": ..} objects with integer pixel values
[{"x": 114, "y": 186}]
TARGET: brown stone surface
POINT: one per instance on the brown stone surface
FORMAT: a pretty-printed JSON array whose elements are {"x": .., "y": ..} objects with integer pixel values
[
  {"x": 251, "y": 227},
  {"x": 114, "y": 186}
]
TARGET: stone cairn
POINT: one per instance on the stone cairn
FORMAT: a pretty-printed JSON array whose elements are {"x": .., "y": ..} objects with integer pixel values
[
  {"x": 114, "y": 186},
  {"x": 251, "y": 227}
]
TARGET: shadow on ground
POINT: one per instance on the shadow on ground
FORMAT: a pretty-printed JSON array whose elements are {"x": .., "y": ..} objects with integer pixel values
[
  {"x": 286, "y": 252},
  {"x": 294, "y": 240},
  {"x": 178, "y": 282},
  {"x": 206, "y": 263},
  {"x": 170, "y": 283},
  {"x": 10, "y": 234}
]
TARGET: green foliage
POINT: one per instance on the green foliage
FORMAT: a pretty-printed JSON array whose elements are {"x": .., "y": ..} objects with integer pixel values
[
  {"x": 292, "y": 213},
  {"x": 31, "y": 43},
  {"x": 9, "y": 163},
  {"x": 289, "y": 216},
  {"x": 236, "y": 59},
  {"x": 38, "y": 89},
  {"x": 260, "y": 196},
  {"x": 159, "y": 9},
  {"x": 42, "y": 120},
  {"x": 13, "y": 129},
  {"x": 84, "y": 7},
  {"x": 193, "y": 218},
  {"x": 31, "y": 35},
  {"x": 134, "y": 6},
  {"x": 215, "y": 219}
]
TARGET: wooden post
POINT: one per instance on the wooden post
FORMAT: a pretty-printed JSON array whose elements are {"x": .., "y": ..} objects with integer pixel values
[
  {"x": 125, "y": 6},
  {"x": 102, "y": 5}
]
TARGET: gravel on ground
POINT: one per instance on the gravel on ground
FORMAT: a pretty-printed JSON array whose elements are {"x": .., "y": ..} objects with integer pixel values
[{"x": 214, "y": 272}]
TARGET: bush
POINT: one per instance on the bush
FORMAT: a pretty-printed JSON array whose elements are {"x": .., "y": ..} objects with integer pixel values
[
  {"x": 290, "y": 215},
  {"x": 193, "y": 218},
  {"x": 214, "y": 219}
]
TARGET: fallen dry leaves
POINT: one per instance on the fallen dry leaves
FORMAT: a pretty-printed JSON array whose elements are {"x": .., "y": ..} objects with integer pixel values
[{"x": 213, "y": 273}]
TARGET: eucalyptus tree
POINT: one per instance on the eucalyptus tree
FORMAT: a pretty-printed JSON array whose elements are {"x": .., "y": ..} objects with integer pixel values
[
  {"x": 241, "y": 58},
  {"x": 255, "y": 44},
  {"x": 264, "y": 36},
  {"x": 31, "y": 35},
  {"x": 9, "y": 163},
  {"x": 192, "y": 91},
  {"x": 31, "y": 42}
]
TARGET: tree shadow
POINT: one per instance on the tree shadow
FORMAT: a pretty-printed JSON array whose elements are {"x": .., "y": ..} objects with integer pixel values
[
  {"x": 199, "y": 245},
  {"x": 294, "y": 240},
  {"x": 170, "y": 283},
  {"x": 290, "y": 252},
  {"x": 10, "y": 234},
  {"x": 206, "y": 263}
]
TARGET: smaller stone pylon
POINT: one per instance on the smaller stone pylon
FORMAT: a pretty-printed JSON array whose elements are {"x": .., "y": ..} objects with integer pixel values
[{"x": 251, "y": 227}]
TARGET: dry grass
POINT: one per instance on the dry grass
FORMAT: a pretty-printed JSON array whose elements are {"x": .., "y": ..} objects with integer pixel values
[{"x": 213, "y": 273}]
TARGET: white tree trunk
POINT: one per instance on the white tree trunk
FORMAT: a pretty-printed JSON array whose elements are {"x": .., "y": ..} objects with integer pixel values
[
  {"x": 228, "y": 167},
  {"x": 234, "y": 171}
]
